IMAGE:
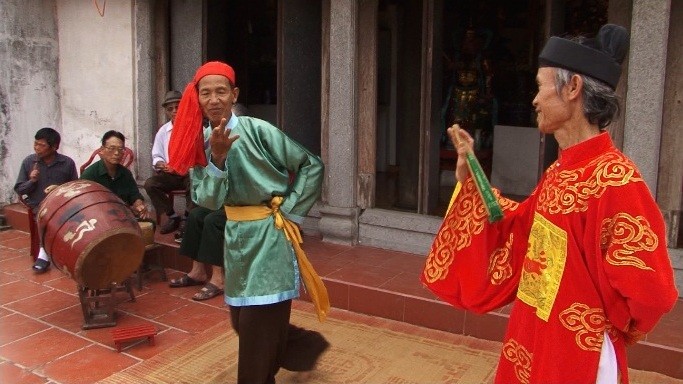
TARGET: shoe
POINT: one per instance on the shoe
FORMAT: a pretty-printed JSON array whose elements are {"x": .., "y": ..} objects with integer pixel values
[
  {"x": 171, "y": 225},
  {"x": 184, "y": 281},
  {"x": 41, "y": 266},
  {"x": 302, "y": 376},
  {"x": 207, "y": 292},
  {"x": 181, "y": 229}
]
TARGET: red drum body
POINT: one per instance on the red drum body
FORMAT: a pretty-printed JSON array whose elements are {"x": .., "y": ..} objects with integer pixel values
[{"x": 90, "y": 233}]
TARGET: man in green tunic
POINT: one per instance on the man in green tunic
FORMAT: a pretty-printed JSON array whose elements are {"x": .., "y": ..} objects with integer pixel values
[{"x": 247, "y": 173}]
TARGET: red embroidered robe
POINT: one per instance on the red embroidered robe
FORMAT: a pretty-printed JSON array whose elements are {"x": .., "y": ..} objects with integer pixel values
[{"x": 585, "y": 253}]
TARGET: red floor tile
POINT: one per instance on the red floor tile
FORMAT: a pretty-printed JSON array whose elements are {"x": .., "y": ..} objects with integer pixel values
[
  {"x": 88, "y": 365},
  {"x": 44, "y": 304},
  {"x": 489, "y": 327},
  {"x": 13, "y": 234},
  {"x": 28, "y": 274},
  {"x": 18, "y": 242},
  {"x": 338, "y": 291},
  {"x": 19, "y": 290},
  {"x": 7, "y": 278},
  {"x": 194, "y": 318},
  {"x": 326, "y": 267},
  {"x": 405, "y": 263},
  {"x": 405, "y": 283},
  {"x": 11, "y": 374},
  {"x": 41, "y": 348},
  {"x": 9, "y": 253},
  {"x": 434, "y": 314},
  {"x": 16, "y": 264},
  {"x": 63, "y": 283},
  {"x": 153, "y": 304},
  {"x": 315, "y": 246},
  {"x": 368, "y": 276},
  {"x": 4, "y": 312},
  {"x": 69, "y": 319},
  {"x": 669, "y": 330},
  {"x": 17, "y": 326},
  {"x": 376, "y": 303},
  {"x": 364, "y": 256}
]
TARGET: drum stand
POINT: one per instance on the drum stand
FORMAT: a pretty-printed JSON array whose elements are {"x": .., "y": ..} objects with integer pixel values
[{"x": 98, "y": 305}]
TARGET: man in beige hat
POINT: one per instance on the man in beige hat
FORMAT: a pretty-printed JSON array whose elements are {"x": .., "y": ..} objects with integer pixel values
[{"x": 163, "y": 181}]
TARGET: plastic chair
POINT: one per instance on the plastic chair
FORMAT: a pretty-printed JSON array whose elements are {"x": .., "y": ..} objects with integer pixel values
[
  {"x": 32, "y": 229},
  {"x": 126, "y": 160}
]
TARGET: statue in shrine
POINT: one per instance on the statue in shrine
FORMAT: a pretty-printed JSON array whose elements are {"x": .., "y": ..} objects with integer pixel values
[{"x": 470, "y": 101}]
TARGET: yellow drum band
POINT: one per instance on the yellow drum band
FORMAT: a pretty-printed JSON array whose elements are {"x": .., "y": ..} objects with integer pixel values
[{"x": 147, "y": 229}]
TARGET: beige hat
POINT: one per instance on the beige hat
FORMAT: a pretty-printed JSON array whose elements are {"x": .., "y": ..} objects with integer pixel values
[{"x": 171, "y": 97}]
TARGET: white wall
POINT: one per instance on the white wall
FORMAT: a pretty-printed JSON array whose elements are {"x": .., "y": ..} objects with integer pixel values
[
  {"x": 96, "y": 74},
  {"x": 29, "y": 93}
]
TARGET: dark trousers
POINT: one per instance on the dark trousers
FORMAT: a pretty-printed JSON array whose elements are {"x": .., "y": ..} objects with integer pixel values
[
  {"x": 204, "y": 236},
  {"x": 158, "y": 187},
  {"x": 267, "y": 342}
]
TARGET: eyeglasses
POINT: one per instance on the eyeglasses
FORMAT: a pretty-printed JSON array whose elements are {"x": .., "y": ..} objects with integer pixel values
[
  {"x": 171, "y": 108},
  {"x": 114, "y": 149}
]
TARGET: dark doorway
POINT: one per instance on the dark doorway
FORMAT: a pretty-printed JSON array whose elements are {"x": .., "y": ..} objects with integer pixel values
[
  {"x": 244, "y": 35},
  {"x": 275, "y": 49}
]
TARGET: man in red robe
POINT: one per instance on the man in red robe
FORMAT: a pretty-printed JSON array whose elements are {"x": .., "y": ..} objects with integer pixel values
[{"x": 584, "y": 258}]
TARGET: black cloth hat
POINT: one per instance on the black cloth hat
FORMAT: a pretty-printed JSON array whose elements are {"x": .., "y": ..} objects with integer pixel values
[
  {"x": 172, "y": 97},
  {"x": 599, "y": 58}
]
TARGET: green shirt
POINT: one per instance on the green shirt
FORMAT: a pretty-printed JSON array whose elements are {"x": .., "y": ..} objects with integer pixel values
[
  {"x": 122, "y": 184},
  {"x": 260, "y": 264}
]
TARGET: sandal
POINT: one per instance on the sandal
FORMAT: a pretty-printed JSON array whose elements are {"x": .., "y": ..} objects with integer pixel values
[
  {"x": 207, "y": 292},
  {"x": 184, "y": 281},
  {"x": 41, "y": 266}
]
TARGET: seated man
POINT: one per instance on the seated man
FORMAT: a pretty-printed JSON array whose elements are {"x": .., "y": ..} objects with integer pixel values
[
  {"x": 159, "y": 185},
  {"x": 110, "y": 173},
  {"x": 203, "y": 243},
  {"x": 43, "y": 169}
]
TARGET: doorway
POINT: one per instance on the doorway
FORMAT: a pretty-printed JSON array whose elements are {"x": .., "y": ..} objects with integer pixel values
[
  {"x": 471, "y": 63},
  {"x": 244, "y": 35},
  {"x": 275, "y": 49}
]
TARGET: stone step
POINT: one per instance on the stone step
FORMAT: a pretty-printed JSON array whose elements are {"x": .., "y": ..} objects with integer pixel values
[{"x": 16, "y": 216}]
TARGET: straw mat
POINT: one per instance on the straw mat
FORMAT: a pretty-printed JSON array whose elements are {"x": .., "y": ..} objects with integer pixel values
[{"x": 359, "y": 353}]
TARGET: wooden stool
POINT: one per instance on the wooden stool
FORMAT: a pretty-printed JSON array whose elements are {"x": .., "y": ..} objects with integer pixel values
[
  {"x": 122, "y": 335},
  {"x": 98, "y": 305},
  {"x": 151, "y": 250}
]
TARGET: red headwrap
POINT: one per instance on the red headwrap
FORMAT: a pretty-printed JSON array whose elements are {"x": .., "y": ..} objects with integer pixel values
[{"x": 186, "y": 148}]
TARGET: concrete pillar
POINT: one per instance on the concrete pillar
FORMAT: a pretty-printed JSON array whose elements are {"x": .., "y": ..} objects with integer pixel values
[
  {"x": 144, "y": 87},
  {"x": 299, "y": 71},
  {"x": 339, "y": 214},
  {"x": 670, "y": 182},
  {"x": 186, "y": 41},
  {"x": 645, "y": 95}
]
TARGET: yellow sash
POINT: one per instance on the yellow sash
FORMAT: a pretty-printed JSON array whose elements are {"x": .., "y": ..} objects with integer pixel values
[{"x": 314, "y": 285}]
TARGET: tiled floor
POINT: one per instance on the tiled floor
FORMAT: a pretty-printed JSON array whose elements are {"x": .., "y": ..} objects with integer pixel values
[{"x": 41, "y": 339}]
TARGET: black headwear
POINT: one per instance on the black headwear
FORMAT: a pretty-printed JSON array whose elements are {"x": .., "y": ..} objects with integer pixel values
[{"x": 599, "y": 58}]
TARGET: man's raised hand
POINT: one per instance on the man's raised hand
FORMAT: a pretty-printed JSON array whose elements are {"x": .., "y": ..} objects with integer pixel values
[{"x": 220, "y": 143}]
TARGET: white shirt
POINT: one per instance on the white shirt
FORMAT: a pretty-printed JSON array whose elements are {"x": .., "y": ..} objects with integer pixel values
[{"x": 161, "y": 140}]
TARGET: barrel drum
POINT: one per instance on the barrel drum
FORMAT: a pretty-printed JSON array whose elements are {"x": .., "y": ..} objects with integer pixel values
[{"x": 90, "y": 233}]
